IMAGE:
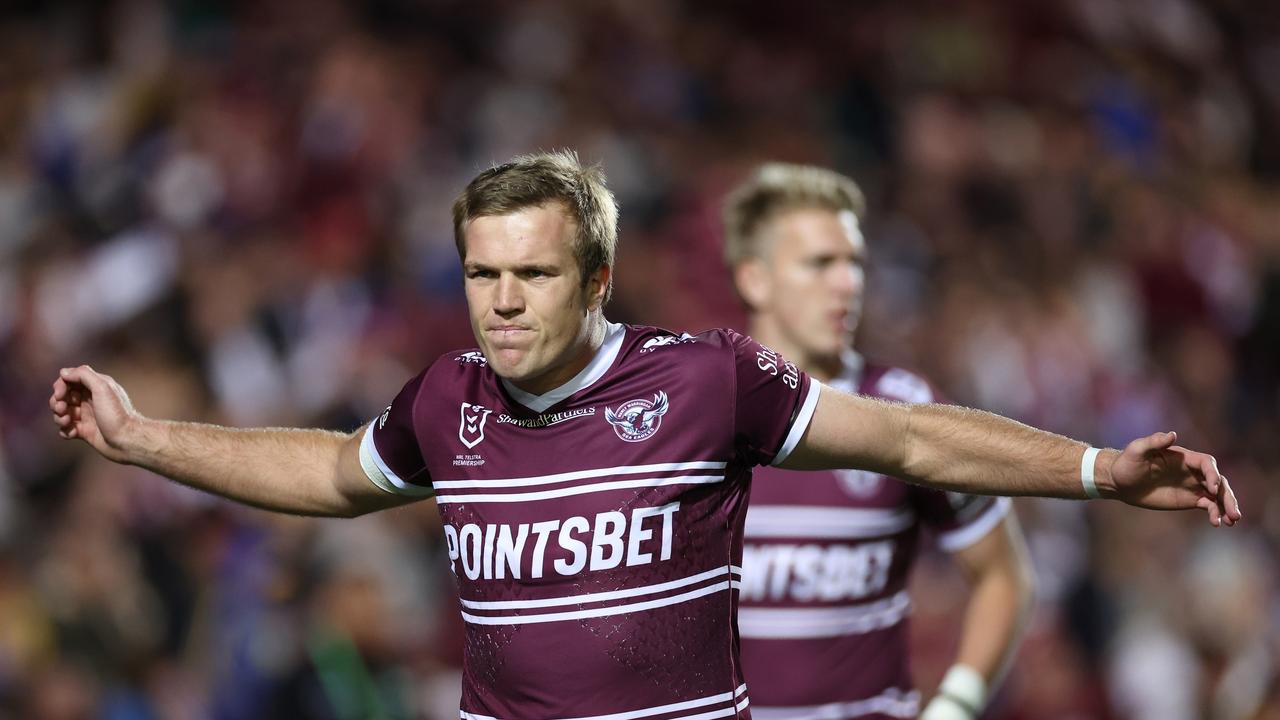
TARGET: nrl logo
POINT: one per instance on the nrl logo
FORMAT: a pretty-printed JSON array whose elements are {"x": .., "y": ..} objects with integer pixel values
[
  {"x": 473, "y": 356},
  {"x": 637, "y": 420},
  {"x": 471, "y": 429}
]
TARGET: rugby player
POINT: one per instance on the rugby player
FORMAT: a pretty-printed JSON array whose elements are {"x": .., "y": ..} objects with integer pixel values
[
  {"x": 592, "y": 477},
  {"x": 823, "y": 604}
]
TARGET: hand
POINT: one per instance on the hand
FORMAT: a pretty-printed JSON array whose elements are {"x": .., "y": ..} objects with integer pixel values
[
  {"x": 1152, "y": 472},
  {"x": 93, "y": 407}
]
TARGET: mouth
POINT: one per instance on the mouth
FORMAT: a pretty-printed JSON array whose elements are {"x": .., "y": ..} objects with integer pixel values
[{"x": 508, "y": 335}]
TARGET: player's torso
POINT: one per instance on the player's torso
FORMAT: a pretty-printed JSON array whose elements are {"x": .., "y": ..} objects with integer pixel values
[
  {"x": 824, "y": 601},
  {"x": 597, "y": 534}
]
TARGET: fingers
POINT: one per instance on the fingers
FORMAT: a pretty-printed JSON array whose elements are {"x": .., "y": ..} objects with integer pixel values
[
  {"x": 1210, "y": 506},
  {"x": 1154, "y": 441},
  {"x": 1205, "y": 466},
  {"x": 1230, "y": 506},
  {"x": 82, "y": 375}
]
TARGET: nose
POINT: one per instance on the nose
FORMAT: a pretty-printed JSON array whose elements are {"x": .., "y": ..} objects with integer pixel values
[
  {"x": 846, "y": 278},
  {"x": 508, "y": 299}
]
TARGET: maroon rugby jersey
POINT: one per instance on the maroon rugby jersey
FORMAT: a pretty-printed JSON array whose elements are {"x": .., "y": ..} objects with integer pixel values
[
  {"x": 824, "y": 592},
  {"x": 596, "y": 531}
]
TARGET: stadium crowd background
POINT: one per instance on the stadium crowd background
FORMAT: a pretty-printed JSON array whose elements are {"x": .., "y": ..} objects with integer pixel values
[{"x": 242, "y": 214}]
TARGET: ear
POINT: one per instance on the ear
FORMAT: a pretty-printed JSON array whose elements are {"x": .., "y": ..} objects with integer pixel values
[
  {"x": 598, "y": 286},
  {"x": 751, "y": 277}
]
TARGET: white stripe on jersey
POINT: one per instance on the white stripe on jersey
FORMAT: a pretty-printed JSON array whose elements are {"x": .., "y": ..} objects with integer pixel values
[
  {"x": 728, "y": 697},
  {"x": 580, "y": 489},
  {"x": 800, "y": 424},
  {"x": 892, "y": 702},
  {"x": 977, "y": 528},
  {"x": 720, "y": 572},
  {"x": 577, "y": 475},
  {"x": 380, "y": 474},
  {"x": 604, "y": 611},
  {"x": 827, "y": 523},
  {"x": 817, "y": 622}
]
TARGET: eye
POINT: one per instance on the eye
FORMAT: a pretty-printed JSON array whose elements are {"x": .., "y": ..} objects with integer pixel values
[{"x": 481, "y": 273}]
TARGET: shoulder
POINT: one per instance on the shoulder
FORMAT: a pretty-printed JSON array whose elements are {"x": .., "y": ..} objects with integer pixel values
[
  {"x": 895, "y": 383},
  {"x": 456, "y": 368},
  {"x": 647, "y": 341}
]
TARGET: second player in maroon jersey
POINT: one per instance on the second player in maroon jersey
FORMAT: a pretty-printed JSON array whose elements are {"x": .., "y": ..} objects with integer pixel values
[{"x": 824, "y": 595}]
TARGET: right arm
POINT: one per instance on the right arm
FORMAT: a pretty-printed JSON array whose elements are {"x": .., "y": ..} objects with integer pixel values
[
  {"x": 305, "y": 472},
  {"x": 962, "y": 450}
]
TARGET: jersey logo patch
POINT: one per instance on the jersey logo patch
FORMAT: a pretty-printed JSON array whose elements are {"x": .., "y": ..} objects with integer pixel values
[
  {"x": 473, "y": 356},
  {"x": 859, "y": 483},
  {"x": 637, "y": 420},
  {"x": 664, "y": 340},
  {"x": 471, "y": 429}
]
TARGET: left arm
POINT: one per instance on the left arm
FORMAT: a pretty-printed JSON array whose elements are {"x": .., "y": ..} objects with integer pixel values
[
  {"x": 963, "y": 450},
  {"x": 1001, "y": 579}
]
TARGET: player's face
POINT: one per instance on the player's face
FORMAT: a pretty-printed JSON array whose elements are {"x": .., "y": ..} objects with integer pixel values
[
  {"x": 529, "y": 309},
  {"x": 811, "y": 279}
]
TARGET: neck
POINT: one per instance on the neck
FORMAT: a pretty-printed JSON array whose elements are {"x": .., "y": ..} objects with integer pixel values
[
  {"x": 823, "y": 368},
  {"x": 578, "y": 356}
]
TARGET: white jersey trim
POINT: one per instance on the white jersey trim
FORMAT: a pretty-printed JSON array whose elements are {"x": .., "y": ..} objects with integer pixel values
[
  {"x": 380, "y": 474},
  {"x": 727, "y": 570},
  {"x": 827, "y": 523},
  {"x": 977, "y": 529},
  {"x": 727, "y": 697},
  {"x": 892, "y": 702},
  {"x": 577, "y": 475},
  {"x": 581, "y": 489},
  {"x": 602, "y": 612},
  {"x": 599, "y": 365},
  {"x": 800, "y": 424},
  {"x": 823, "y": 622}
]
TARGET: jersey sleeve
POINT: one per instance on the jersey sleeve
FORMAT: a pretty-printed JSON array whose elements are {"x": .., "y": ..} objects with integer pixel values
[
  {"x": 773, "y": 401},
  {"x": 389, "y": 450}
]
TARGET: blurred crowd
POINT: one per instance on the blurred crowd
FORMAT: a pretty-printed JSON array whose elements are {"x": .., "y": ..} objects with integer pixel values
[{"x": 240, "y": 211}]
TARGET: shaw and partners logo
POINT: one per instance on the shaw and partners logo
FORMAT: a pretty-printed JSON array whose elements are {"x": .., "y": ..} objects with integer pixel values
[
  {"x": 471, "y": 428},
  {"x": 547, "y": 419},
  {"x": 637, "y": 420}
]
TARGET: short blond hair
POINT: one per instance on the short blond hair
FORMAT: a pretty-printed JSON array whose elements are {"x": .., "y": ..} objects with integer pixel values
[
  {"x": 774, "y": 188},
  {"x": 540, "y": 178}
]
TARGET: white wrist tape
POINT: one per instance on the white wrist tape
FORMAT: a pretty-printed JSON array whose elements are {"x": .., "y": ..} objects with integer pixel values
[
  {"x": 963, "y": 689},
  {"x": 1087, "y": 461}
]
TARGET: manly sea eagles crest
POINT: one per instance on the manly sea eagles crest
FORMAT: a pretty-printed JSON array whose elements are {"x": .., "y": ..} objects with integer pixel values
[{"x": 637, "y": 420}]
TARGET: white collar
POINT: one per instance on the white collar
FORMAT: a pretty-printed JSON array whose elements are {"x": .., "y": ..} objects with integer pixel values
[
  {"x": 851, "y": 366},
  {"x": 603, "y": 360}
]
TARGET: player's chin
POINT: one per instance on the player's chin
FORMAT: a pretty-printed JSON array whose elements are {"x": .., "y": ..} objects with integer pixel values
[{"x": 509, "y": 363}]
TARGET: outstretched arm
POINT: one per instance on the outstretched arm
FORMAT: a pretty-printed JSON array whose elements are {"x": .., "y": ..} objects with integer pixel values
[
  {"x": 963, "y": 450},
  {"x": 1001, "y": 579},
  {"x": 306, "y": 472}
]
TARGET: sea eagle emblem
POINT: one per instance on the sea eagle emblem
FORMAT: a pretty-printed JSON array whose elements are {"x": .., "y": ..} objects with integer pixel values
[{"x": 637, "y": 420}]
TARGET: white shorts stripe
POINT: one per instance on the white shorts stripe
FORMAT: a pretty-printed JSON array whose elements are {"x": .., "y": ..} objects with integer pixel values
[
  {"x": 892, "y": 702},
  {"x": 601, "y": 612},
  {"x": 827, "y": 523},
  {"x": 777, "y": 623},
  {"x": 719, "y": 572},
  {"x": 580, "y": 489},
  {"x": 578, "y": 475},
  {"x": 727, "y": 697}
]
